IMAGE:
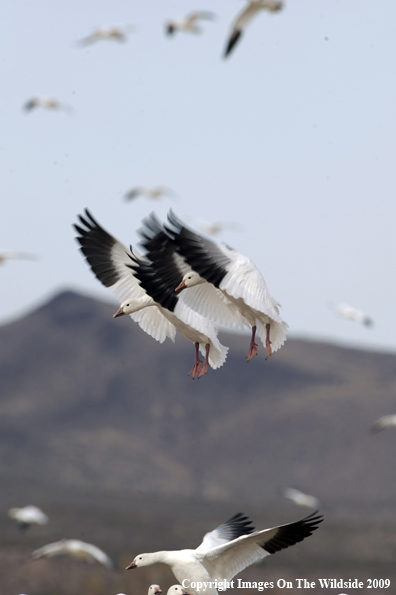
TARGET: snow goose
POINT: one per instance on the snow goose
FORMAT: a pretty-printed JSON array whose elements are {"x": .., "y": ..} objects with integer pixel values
[
  {"x": 154, "y": 590},
  {"x": 177, "y": 590},
  {"x": 153, "y": 193},
  {"x": 46, "y": 103},
  {"x": 28, "y": 515},
  {"x": 301, "y": 499},
  {"x": 189, "y": 23},
  {"x": 246, "y": 15},
  {"x": 226, "y": 551},
  {"x": 74, "y": 548},
  {"x": 4, "y": 256},
  {"x": 240, "y": 290},
  {"x": 147, "y": 292},
  {"x": 119, "y": 34},
  {"x": 386, "y": 421},
  {"x": 351, "y": 313}
]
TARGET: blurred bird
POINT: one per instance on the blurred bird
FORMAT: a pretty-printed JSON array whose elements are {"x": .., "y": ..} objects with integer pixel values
[
  {"x": 301, "y": 499},
  {"x": 387, "y": 421},
  {"x": 228, "y": 550},
  {"x": 244, "y": 18},
  {"x": 76, "y": 549},
  {"x": 16, "y": 255},
  {"x": 119, "y": 34},
  {"x": 50, "y": 104},
  {"x": 189, "y": 23},
  {"x": 350, "y": 313},
  {"x": 154, "y": 193},
  {"x": 215, "y": 227},
  {"x": 28, "y": 515}
]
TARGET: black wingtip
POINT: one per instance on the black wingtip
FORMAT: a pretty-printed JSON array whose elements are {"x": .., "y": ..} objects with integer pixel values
[{"x": 232, "y": 42}]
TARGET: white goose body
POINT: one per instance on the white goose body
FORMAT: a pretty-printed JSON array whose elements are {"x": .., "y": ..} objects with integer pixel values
[
  {"x": 156, "y": 308},
  {"x": 226, "y": 551},
  {"x": 238, "y": 294}
]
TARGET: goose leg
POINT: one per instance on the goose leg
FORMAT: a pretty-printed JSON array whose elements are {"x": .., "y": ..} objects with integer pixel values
[
  {"x": 268, "y": 348},
  {"x": 206, "y": 361},
  {"x": 253, "y": 346},
  {"x": 197, "y": 367}
]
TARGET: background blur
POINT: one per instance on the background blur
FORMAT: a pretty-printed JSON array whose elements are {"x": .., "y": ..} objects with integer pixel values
[{"x": 292, "y": 137}]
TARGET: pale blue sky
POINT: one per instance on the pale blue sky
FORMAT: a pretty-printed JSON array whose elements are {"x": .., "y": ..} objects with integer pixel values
[{"x": 293, "y": 136}]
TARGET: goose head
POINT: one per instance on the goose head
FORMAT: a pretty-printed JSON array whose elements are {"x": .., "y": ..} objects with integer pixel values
[{"x": 190, "y": 280}]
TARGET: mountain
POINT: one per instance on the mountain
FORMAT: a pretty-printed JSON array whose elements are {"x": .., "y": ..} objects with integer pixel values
[{"x": 102, "y": 427}]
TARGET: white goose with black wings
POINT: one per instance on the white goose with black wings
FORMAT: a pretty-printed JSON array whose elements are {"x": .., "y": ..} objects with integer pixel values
[
  {"x": 146, "y": 296},
  {"x": 227, "y": 550},
  {"x": 241, "y": 295}
]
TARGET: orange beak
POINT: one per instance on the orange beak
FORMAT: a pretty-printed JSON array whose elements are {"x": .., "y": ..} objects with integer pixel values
[{"x": 181, "y": 286}]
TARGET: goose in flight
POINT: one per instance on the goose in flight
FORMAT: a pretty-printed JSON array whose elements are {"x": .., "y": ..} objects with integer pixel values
[
  {"x": 227, "y": 550},
  {"x": 386, "y": 421},
  {"x": 153, "y": 193},
  {"x": 246, "y": 15},
  {"x": 46, "y": 103},
  {"x": 351, "y": 313},
  {"x": 119, "y": 34},
  {"x": 301, "y": 499},
  {"x": 12, "y": 255},
  {"x": 146, "y": 289},
  {"x": 239, "y": 294},
  {"x": 28, "y": 515},
  {"x": 74, "y": 548},
  {"x": 189, "y": 23},
  {"x": 213, "y": 228}
]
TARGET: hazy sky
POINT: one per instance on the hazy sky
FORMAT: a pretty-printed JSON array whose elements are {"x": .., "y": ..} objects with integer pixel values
[{"x": 293, "y": 136}]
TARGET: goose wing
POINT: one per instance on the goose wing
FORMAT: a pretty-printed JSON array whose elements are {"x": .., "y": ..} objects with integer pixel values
[
  {"x": 235, "y": 527},
  {"x": 225, "y": 561},
  {"x": 111, "y": 261}
]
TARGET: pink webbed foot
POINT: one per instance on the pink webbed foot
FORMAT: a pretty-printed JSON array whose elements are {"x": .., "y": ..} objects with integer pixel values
[
  {"x": 268, "y": 348},
  {"x": 253, "y": 346},
  {"x": 206, "y": 362},
  {"x": 197, "y": 368}
]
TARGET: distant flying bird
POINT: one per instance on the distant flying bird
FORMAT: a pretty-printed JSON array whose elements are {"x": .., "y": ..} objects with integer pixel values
[
  {"x": 119, "y": 34},
  {"x": 75, "y": 548},
  {"x": 147, "y": 283},
  {"x": 50, "y": 104},
  {"x": 227, "y": 550},
  {"x": 387, "y": 421},
  {"x": 244, "y": 18},
  {"x": 28, "y": 515},
  {"x": 16, "y": 256},
  {"x": 215, "y": 227},
  {"x": 350, "y": 313},
  {"x": 153, "y": 193},
  {"x": 301, "y": 499},
  {"x": 229, "y": 288},
  {"x": 189, "y": 23}
]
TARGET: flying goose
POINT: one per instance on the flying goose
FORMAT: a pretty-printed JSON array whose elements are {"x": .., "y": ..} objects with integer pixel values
[
  {"x": 46, "y": 103},
  {"x": 227, "y": 550},
  {"x": 351, "y": 313},
  {"x": 147, "y": 291},
  {"x": 301, "y": 499},
  {"x": 386, "y": 421},
  {"x": 246, "y": 15},
  {"x": 119, "y": 34},
  {"x": 28, "y": 515},
  {"x": 153, "y": 193},
  {"x": 12, "y": 255},
  {"x": 189, "y": 23},
  {"x": 241, "y": 294},
  {"x": 74, "y": 548}
]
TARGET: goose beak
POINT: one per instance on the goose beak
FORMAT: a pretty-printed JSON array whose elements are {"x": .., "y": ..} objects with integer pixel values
[
  {"x": 131, "y": 565},
  {"x": 181, "y": 286},
  {"x": 119, "y": 312}
]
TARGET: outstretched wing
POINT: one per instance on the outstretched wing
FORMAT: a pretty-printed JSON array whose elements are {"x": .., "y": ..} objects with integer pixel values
[{"x": 235, "y": 527}]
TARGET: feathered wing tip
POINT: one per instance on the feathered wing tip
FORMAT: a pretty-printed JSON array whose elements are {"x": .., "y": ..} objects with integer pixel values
[
  {"x": 278, "y": 333},
  {"x": 292, "y": 533},
  {"x": 239, "y": 525},
  {"x": 232, "y": 42}
]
